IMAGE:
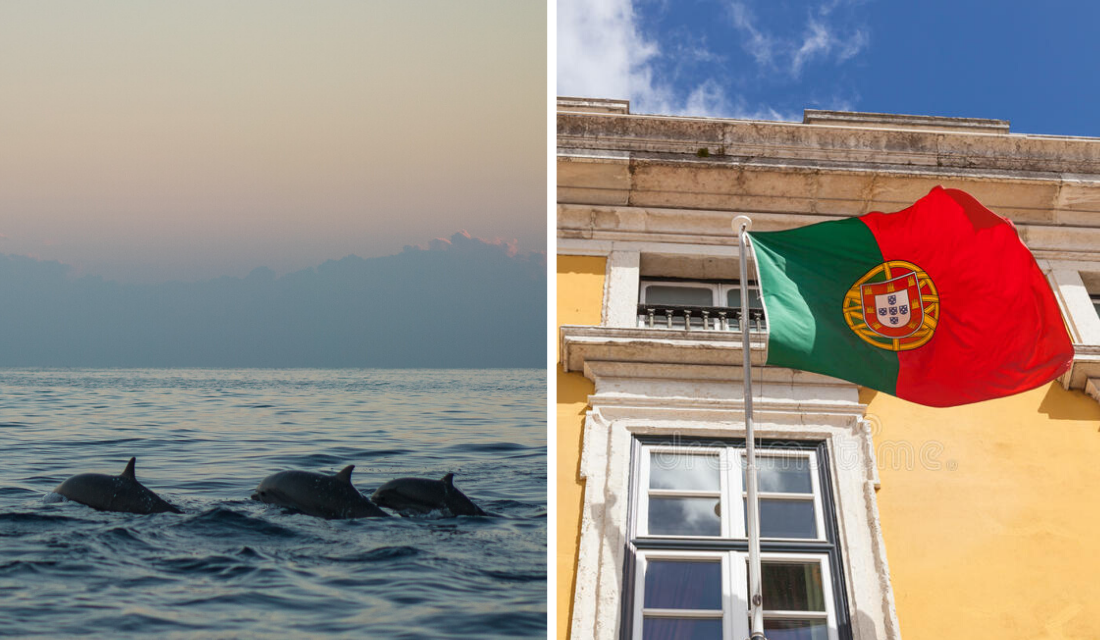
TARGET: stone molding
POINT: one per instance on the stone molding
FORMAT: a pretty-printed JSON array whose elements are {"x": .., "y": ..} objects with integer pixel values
[{"x": 654, "y": 399}]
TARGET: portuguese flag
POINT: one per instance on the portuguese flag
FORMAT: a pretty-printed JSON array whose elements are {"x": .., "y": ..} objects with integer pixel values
[{"x": 940, "y": 303}]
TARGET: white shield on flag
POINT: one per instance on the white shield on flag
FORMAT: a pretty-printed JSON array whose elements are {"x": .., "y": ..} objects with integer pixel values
[{"x": 893, "y": 308}]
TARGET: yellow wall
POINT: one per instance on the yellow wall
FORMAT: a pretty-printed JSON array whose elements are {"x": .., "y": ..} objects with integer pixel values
[
  {"x": 990, "y": 512},
  {"x": 580, "y": 298},
  {"x": 1002, "y": 540}
]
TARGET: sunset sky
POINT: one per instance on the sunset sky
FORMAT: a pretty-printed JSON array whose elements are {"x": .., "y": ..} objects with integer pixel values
[{"x": 146, "y": 142}]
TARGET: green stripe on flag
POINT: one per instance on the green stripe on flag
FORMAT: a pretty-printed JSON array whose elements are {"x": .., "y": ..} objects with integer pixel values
[{"x": 805, "y": 274}]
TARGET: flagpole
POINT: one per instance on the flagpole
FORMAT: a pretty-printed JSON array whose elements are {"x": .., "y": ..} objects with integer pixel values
[{"x": 742, "y": 224}]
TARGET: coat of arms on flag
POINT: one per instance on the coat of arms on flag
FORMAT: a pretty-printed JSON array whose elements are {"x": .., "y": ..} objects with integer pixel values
[{"x": 894, "y": 306}]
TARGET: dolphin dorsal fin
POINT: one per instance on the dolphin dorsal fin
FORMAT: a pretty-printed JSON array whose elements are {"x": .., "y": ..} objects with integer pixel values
[
  {"x": 345, "y": 474},
  {"x": 128, "y": 472},
  {"x": 448, "y": 479}
]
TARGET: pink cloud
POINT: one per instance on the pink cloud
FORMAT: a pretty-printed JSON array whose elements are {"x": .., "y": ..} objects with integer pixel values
[{"x": 463, "y": 241}]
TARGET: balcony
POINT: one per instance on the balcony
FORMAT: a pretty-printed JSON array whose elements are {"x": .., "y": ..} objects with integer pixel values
[{"x": 697, "y": 318}]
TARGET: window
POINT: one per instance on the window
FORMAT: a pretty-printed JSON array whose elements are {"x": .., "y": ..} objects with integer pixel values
[
  {"x": 689, "y": 577},
  {"x": 1095, "y": 303},
  {"x": 697, "y": 305}
]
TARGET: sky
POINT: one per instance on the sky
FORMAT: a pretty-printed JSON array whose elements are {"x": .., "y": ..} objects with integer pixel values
[
  {"x": 153, "y": 142},
  {"x": 460, "y": 302},
  {"x": 1035, "y": 64}
]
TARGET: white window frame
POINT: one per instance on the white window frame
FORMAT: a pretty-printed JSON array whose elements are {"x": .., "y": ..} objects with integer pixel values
[
  {"x": 727, "y": 616},
  {"x": 724, "y": 493},
  {"x": 719, "y": 290},
  {"x": 730, "y": 461},
  {"x": 713, "y": 287},
  {"x": 734, "y": 612},
  {"x": 815, "y": 487}
]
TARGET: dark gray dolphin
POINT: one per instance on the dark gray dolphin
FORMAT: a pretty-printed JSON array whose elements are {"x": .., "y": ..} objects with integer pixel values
[
  {"x": 420, "y": 495},
  {"x": 114, "y": 493},
  {"x": 317, "y": 494}
]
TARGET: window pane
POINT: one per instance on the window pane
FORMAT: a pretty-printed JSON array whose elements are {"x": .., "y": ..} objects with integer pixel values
[
  {"x": 663, "y": 294},
  {"x": 684, "y": 517},
  {"x": 786, "y": 519},
  {"x": 781, "y": 474},
  {"x": 792, "y": 586},
  {"x": 796, "y": 629},
  {"x": 671, "y": 584},
  {"x": 733, "y": 298},
  {"x": 684, "y": 472},
  {"x": 674, "y": 629}
]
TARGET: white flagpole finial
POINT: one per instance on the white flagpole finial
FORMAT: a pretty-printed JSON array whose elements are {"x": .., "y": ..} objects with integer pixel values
[{"x": 741, "y": 221}]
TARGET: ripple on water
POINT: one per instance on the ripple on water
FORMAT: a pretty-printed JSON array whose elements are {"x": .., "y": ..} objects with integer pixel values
[
  {"x": 225, "y": 522},
  {"x": 233, "y": 567}
]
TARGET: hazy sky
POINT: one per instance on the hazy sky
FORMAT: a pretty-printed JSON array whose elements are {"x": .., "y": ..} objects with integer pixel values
[{"x": 187, "y": 140}]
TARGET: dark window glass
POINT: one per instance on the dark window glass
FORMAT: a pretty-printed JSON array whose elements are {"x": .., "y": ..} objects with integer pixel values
[
  {"x": 672, "y": 584},
  {"x": 675, "y": 629},
  {"x": 793, "y": 586},
  {"x": 786, "y": 518},
  {"x": 664, "y": 294}
]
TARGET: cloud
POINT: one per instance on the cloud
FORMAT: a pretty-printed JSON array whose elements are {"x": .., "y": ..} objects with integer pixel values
[
  {"x": 462, "y": 302},
  {"x": 757, "y": 44},
  {"x": 600, "y": 50},
  {"x": 463, "y": 241},
  {"x": 820, "y": 39},
  {"x": 603, "y": 52}
]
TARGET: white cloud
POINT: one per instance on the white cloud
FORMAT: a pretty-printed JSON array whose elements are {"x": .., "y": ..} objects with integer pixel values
[
  {"x": 856, "y": 43},
  {"x": 707, "y": 98},
  {"x": 758, "y": 45},
  {"x": 603, "y": 53},
  {"x": 600, "y": 50},
  {"x": 820, "y": 39}
]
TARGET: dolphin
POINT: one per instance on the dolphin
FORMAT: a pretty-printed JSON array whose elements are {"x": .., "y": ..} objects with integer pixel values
[
  {"x": 420, "y": 495},
  {"x": 114, "y": 493},
  {"x": 317, "y": 494}
]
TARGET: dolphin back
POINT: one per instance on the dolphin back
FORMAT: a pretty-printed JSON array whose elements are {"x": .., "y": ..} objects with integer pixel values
[
  {"x": 421, "y": 496},
  {"x": 457, "y": 502},
  {"x": 122, "y": 493},
  {"x": 317, "y": 494}
]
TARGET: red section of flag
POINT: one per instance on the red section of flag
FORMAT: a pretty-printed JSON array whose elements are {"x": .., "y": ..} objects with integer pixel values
[{"x": 1000, "y": 331}]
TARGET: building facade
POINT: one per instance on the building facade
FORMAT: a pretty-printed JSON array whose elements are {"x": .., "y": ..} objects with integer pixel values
[{"x": 880, "y": 518}]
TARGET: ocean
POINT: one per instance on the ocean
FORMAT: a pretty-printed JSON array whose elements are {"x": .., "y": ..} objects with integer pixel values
[{"x": 231, "y": 567}]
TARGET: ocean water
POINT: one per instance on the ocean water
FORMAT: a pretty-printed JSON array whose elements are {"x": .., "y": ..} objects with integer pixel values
[{"x": 231, "y": 567}]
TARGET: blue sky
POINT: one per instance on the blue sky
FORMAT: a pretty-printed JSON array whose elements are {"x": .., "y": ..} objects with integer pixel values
[{"x": 1035, "y": 64}]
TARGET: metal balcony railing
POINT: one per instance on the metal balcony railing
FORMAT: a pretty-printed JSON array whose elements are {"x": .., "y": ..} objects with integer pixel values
[{"x": 697, "y": 318}]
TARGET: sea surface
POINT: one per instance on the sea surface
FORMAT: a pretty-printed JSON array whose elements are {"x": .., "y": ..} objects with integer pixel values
[{"x": 231, "y": 567}]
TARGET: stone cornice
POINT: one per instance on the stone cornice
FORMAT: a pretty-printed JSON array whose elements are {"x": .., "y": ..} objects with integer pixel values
[
  {"x": 803, "y": 187},
  {"x": 822, "y": 170},
  {"x": 580, "y": 344},
  {"x": 857, "y": 143},
  {"x": 708, "y": 356},
  {"x": 656, "y": 226}
]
